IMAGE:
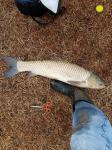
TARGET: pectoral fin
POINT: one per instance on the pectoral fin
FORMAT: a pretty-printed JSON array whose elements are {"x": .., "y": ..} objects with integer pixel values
[{"x": 76, "y": 83}]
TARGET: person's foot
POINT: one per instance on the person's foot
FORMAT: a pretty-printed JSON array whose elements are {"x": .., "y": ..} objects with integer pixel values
[
  {"x": 62, "y": 87},
  {"x": 69, "y": 90}
]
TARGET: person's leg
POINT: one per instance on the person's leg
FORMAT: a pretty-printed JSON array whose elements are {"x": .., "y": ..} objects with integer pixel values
[{"x": 91, "y": 127}]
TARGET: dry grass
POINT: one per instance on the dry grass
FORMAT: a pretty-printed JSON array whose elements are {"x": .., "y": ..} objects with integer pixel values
[{"x": 81, "y": 36}]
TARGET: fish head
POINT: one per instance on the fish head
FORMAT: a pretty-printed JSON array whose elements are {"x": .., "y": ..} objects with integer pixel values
[{"x": 95, "y": 82}]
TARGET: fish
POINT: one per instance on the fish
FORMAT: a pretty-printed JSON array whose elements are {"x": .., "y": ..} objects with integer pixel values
[{"x": 69, "y": 73}]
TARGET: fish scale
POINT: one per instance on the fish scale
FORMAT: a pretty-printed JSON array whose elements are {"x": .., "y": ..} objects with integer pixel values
[{"x": 56, "y": 69}]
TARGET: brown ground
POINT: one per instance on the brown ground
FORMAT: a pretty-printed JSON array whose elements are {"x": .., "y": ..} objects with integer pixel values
[{"x": 80, "y": 36}]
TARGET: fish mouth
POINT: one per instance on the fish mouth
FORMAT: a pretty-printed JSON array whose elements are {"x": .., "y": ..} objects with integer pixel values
[
  {"x": 101, "y": 87},
  {"x": 98, "y": 87}
]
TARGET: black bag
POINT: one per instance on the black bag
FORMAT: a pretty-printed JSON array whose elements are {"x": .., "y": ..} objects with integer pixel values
[{"x": 37, "y": 8}]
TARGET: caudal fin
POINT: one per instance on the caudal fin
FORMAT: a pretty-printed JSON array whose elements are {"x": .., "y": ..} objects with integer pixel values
[{"x": 12, "y": 62}]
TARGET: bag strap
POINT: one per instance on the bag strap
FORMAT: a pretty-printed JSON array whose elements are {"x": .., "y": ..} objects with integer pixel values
[{"x": 42, "y": 21}]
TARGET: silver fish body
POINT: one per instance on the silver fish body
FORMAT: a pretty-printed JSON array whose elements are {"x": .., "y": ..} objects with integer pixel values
[{"x": 59, "y": 70}]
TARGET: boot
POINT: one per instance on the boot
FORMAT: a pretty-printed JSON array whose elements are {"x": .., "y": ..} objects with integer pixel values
[{"x": 75, "y": 93}]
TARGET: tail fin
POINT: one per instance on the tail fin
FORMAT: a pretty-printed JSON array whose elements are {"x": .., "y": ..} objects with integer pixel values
[{"x": 12, "y": 62}]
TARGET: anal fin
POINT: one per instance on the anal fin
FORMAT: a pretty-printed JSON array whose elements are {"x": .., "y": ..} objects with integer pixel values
[{"x": 31, "y": 74}]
